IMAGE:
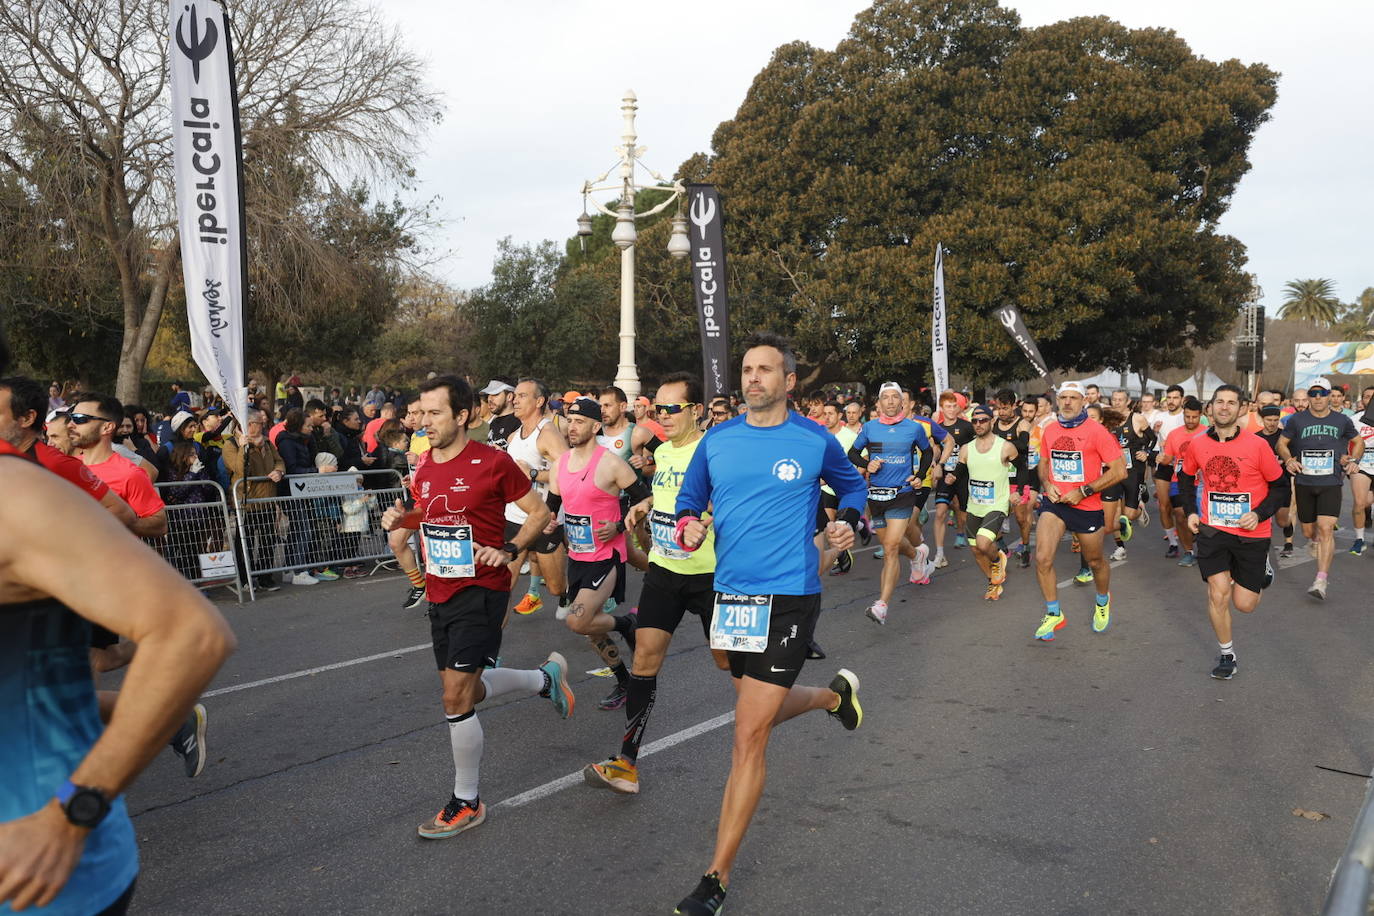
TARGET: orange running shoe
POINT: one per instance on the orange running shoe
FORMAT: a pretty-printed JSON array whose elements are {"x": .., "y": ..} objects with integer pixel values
[{"x": 529, "y": 604}]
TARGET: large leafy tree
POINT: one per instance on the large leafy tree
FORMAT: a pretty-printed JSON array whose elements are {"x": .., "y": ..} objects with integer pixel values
[
  {"x": 1356, "y": 319},
  {"x": 1310, "y": 300}
]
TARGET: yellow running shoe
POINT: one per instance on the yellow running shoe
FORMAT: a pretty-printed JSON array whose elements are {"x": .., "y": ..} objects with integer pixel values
[
  {"x": 1102, "y": 615},
  {"x": 993, "y": 593},
  {"x": 999, "y": 569},
  {"x": 616, "y": 774},
  {"x": 1048, "y": 624},
  {"x": 529, "y": 604}
]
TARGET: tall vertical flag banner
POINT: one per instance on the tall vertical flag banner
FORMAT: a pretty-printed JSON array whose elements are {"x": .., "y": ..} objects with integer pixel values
[
  {"x": 939, "y": 331},
  {"x": 707, "y": 237},
  {"x": 1010, "y": 317},
  {"x": 207, "y": 158}
]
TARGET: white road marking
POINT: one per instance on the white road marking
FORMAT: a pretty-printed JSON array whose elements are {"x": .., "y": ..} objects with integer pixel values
[
  {"x": 653, "y": 747},
  {"x": 233, "y": 688},
  {"x": 1113, "y": 564}
]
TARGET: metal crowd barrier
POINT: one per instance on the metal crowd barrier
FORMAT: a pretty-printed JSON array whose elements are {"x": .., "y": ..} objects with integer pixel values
[
  {"x": 1352, "y": 884},
  {"x": 199, "y": 542},
  {"x": 328, "y": 520}
]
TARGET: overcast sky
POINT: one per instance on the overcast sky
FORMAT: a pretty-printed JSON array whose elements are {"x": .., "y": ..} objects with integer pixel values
[{"x": 533, "y": 92}]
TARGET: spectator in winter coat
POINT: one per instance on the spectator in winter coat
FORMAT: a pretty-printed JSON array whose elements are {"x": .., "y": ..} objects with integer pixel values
[{"x": 323, "y": 438}]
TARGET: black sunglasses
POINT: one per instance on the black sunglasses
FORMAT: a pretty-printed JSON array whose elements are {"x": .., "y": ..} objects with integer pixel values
[{"x": 80, "y": 418}]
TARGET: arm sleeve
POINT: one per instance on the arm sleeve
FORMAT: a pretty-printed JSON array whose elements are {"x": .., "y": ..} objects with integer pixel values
[
  {"x": 695, "y": 494},
  {"x": 1022, "y": 442},
  {"x": 1273, "y": 472},
  {"x": 855, "y": 455},
  {"x": 1187, "y": 492},
  {"x": 840, "y": 474},
  {"x": 927, "y": 453}
]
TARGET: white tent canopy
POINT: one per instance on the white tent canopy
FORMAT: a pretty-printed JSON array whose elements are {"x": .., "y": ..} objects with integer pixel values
[{"x": 1110, "y": 380}]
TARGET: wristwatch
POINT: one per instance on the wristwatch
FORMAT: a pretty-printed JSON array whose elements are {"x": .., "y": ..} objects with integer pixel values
[
  {"x": 534, "y": 475},
  {"x": 85, "y": 806},
  {"x": 510, "y": 548},
  {"x": 1087, "y": 489}
]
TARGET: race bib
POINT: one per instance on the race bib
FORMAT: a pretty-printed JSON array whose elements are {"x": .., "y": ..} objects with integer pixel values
[
  {"x": 1130, "y": 459},
  {"x": 1033, "y": 460},
  {"x": 1367, "y": 459},
  {"x": 448, "y": 551},
  {"x": 1067, "y": 466},
  {"x": 952, "y": 464},
  {"x": 1225, "y": 509},
  {"x": 740, "y": 622},
  {"x": 579, "y": 533},
  {"x": 663, "y": 530},
  {"x": 882, "y": 494},
  {"x": 1318, "y": 462},
  {"x": 981, "y": 491}
]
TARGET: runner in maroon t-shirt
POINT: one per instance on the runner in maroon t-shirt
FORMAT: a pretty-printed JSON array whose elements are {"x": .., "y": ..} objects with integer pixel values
[
  {"x": 1078, "y": 460},
  {"x": 461, "y": 490},
  {"x": 1225, "y": 482}
]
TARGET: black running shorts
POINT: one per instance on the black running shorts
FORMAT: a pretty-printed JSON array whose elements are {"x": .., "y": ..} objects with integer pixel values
[
  {"x": 1315, "y": 501},
  {"x": 991, "y": 522},
  {"x": 666, "y": 596},
  {"x": 790, "y": 629},
  {"x": 830, "y": 501},
  {"x": 544, "y": 543},
  {"x": 466, "y": 629},
  {"x": 1246, "y": 560},
  {"x": 1079, "y": 521},
  {"x": 1114, "y": 493},
  {"x": 591, "y": 575},
  {"x": 1164, "y": 472}
]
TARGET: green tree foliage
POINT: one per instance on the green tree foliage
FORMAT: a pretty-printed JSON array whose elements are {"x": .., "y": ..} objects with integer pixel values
[
  {"x": 1310, "y": 300},
  {"x": 1077, "y": 170},
  {"x": 1356, "y": 319}
]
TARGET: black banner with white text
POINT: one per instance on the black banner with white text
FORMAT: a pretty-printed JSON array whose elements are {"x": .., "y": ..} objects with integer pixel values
[
  {"x": 707, "y": 237},
  {"x": 1010, "y": 317}
]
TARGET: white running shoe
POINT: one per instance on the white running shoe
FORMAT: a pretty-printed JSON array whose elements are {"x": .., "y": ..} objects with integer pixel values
[
  {"x": 304, "y": 578},
  {"x": 1318, "y": 589},
  {"x": 940, "y": 561},
  {"x": 920, "y": 568},
  {"x": 1144, "y": 520},
  {"x": 561, "y": 613},
  {"x": 878, "y": 612},
  {"x": 1119, "y": 553}
]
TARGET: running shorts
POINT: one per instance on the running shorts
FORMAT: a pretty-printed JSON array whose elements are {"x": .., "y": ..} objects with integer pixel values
[
  {"x": 830, "y": 501},
  {"x": 1164, "y": 472},
  {"x": 790, "y": 628},
  {"x": 1315, "y": 501},
  {"x": 666, "y": 596},
  {"x": 1245, "y": 559},
  {"x": 544, "y": 543},
  {"x": 898, "y": 508},
  {"x": 466, "y": 629},
  {"x": 989, "y": 525},
  {"x": 949, "y": 492},
  {"x": 1114, "y": 493},
  {"x": 591, "y": 575},
  {"x": 1079, "y": 521}
]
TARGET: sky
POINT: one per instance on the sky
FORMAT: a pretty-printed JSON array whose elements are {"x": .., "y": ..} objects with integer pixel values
[{"x": 533, "y": 91}]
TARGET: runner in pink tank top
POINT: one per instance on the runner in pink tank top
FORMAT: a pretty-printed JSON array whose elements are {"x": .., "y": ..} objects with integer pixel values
[{"x": 587, "y": 508}]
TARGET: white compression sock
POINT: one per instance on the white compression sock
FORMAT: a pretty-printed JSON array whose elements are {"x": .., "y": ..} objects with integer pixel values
[
  {"x": 1228, "y": 648},
  {"x": 504, "y": 680},
  {"x": 1172, "y": 535},
  {"x": 465, "y": 738}
]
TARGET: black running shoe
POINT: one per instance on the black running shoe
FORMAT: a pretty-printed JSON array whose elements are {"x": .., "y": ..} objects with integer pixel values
[
  {"x": 1226, "y": 668},
  {"x": 843, "y": 563},
  {"x": 613, "y": 700},
  {"x": 189, "y": 741},
  {"x": 1172, "y": 552},
  {"x": 865, "y": 532},
  {"x": 814, "y": 650},
  {"x": 706, "y": 900},
  {"x": 266, "y": 584},
  {"x": 1268, "y": 574},
  {"x": 846, "y": 686},
  {"x": 1024, "y": 559},
  {"x": 414, "y": 597},
  {"x": 1287, "y": 552}
]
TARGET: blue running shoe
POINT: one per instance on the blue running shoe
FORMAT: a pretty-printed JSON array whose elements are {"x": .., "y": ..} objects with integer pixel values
[{"x": 559, "y": 693}]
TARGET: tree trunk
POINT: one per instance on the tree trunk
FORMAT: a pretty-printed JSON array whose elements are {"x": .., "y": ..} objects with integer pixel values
[{"x": 141, "y": 319}]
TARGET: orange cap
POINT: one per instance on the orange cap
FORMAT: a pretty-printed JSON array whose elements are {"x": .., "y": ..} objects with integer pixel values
[{"x": 570, "y": 396}]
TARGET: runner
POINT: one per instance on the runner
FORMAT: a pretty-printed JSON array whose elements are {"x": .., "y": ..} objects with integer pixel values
[
  {"x": 1073, "y": 449},
  {"x": 500, "y": 392},
  {"x": 587, "y": 482},
  {"x": 629, "y": 442},
  {"x": 1121, "y": 502},
  {"x": 1171, "y": 457},
  {"x": 990, "y": 460},
  {"x": 1319, "y": 434},
  {"x": 1030, "y": 492},
  {"x": 92, "y": 425},
  {"x": 951, "y": 488},
  {"x": 898, "y": 456},
  {"x": 462, "y": 489},
  {"x": 1011, "y": 425},
  {"x": 1270, "y": 416},
  {"x": 1164, "y": 422},
  {"x": 832, "y": 417},
  {"x": 535, "y": 445},
  {"x": 1232, "y": 484},
  {"x": 762, "y": 475},
  {"x": 1362, "y": 474}
]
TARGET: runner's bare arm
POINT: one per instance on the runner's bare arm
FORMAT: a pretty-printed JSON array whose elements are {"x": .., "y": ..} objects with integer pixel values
[{"x": 117, "y": 507}]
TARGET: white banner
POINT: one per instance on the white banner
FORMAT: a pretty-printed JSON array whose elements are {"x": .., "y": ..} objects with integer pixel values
[
  {"x": 324, "y": 485},
  {"x": 207, "y": 161},
  {"x": 1346, "y": 357},
  {"x": 939, "y": 343}
]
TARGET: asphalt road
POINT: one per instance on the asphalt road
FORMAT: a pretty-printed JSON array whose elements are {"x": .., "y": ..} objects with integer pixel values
[{"x": 993, "y": 774}]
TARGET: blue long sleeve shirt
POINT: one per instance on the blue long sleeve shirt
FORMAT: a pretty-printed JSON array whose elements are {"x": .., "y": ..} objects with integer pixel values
[{"x": 763, "y": 484}]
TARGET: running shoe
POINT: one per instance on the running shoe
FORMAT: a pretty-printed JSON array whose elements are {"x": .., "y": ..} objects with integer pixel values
[
  {"x": 1119, "y": 553},
  {"x": 1048, "y": 624},
  {"x": 189, "y": 741},
  {"x": 999, "y": 569},
  {"x": 304, "y": 578},
  {"x": 266, "y": 584},
  {"x": 1144, "y": 520},
  {"x": 1226, "y": 668},
  {"x": 993, "y": 593},
  {"x": 877, "y": 612},
  {"x": 1287, "y": 552},
  {"x": 1102, "y": 615},
  {"x": 616, "y": 774},
  {"x": 559, "y": 693},
  {"x": 1357, "y": 548},
  {"x": 814, "y": 652},
  {"x": 706, "y": 900},
  {"x": 960, "y": 542},
  {"x": 1188, "y": 559},
  {"x": 354, "y": 572},
  {"x": 327, "y": 574},
  {"x": 1172, "y": 552},
  {"x": 613, "y": 700},
  {"x": 879, "y": 554},
  {"x": 561, "y": 612},
  {"x": 1083, "y": 577},
  {"x": 848, "y": 713},
  {"x": 1076, "y": 547},
  {"x": 940, "y": 561},
  {"x": 1318, "y": 589},
  {"x": 920, "y": 567},
  {"x": 1024, "y": 559},
  {"x": 843, "y": 563},
  {"x": 865, "y": 532},
  {"x": 413, "y": 597},
  {"x": 1269, "y": 574},
  {"x": 457, "y": 816},
  {"x": 1123, "y": 524},
  {"x": 923, "y": 517},
  {"x": 529, "y": 604}
]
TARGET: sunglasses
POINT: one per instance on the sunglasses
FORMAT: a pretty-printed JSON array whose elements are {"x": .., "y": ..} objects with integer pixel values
[
  {"x": 672, "y": 409},
  {"x": 982, "y": 419},
  {"x": 80, "y": 418},
  {"x": 1318, "y": 393}
]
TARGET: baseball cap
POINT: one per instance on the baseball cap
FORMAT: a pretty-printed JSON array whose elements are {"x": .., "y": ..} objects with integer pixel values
[
  {"x": 585, "y": 407},
  {"x": 1271, "y": 410},
  {"x": 496, "y": 386},
  {"x": 1323, "y": 383},
  {"x": 889, "y": 386},
  {"x": 54, "y": 414},
  {"x": 982, "y": 410},
  {"x": 1072, "y": 387},
  {"x": 181, "y": 419},
  {"x": 645, "y": 401},
  {"x": 570, "y": 396}
]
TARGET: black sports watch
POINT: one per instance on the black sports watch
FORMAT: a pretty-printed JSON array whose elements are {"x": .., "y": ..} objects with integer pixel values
[
  {"x": 1087, "y": 489},
  {"x": 85, "y": 806},
  {"x": 534, "y": 475},
  {"x": 510, "y": 548}
]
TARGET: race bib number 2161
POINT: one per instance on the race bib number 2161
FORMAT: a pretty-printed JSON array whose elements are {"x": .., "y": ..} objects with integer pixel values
[{"x": 740, "y": 622}]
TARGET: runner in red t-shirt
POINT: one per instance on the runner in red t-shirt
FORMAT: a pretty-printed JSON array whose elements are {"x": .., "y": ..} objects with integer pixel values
[
  {"x": 1225, "y": 482},
  {"x": 1171, "y": 456},
  {"x": 1078, "y": 459},
  {"x": 461, "y": 490}
]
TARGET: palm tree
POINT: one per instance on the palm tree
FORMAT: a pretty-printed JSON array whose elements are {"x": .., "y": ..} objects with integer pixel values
[{"x": 1310, "y": 300}]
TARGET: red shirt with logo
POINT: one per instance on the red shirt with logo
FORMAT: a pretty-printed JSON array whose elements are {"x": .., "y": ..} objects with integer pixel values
[
  {"x": 1176, "y": 445},
  {"x": 462, "y": 503},
  {"x": 69, "y": 468},
  {"x": 1077, "y": 456},
  {"x": 1232, "y": 479},
  {"x": 133, "y": 486}
]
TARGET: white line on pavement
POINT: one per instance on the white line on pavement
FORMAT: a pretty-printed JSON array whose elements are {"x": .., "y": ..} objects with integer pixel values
[
  {"x": 220, "y": 691},
  {"x": 1067, "y": 582},
  {"x": 653, "y": 747}
]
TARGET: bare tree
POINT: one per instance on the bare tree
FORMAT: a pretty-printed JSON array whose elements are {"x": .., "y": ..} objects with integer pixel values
[{"x": 328, "y": 96}]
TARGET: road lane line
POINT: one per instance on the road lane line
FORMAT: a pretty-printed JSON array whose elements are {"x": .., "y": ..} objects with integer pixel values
[
  {"x": 233, "y": 688},
  {"x": 1113, "y": 564},
  {"x": 653, "y": 747}
]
